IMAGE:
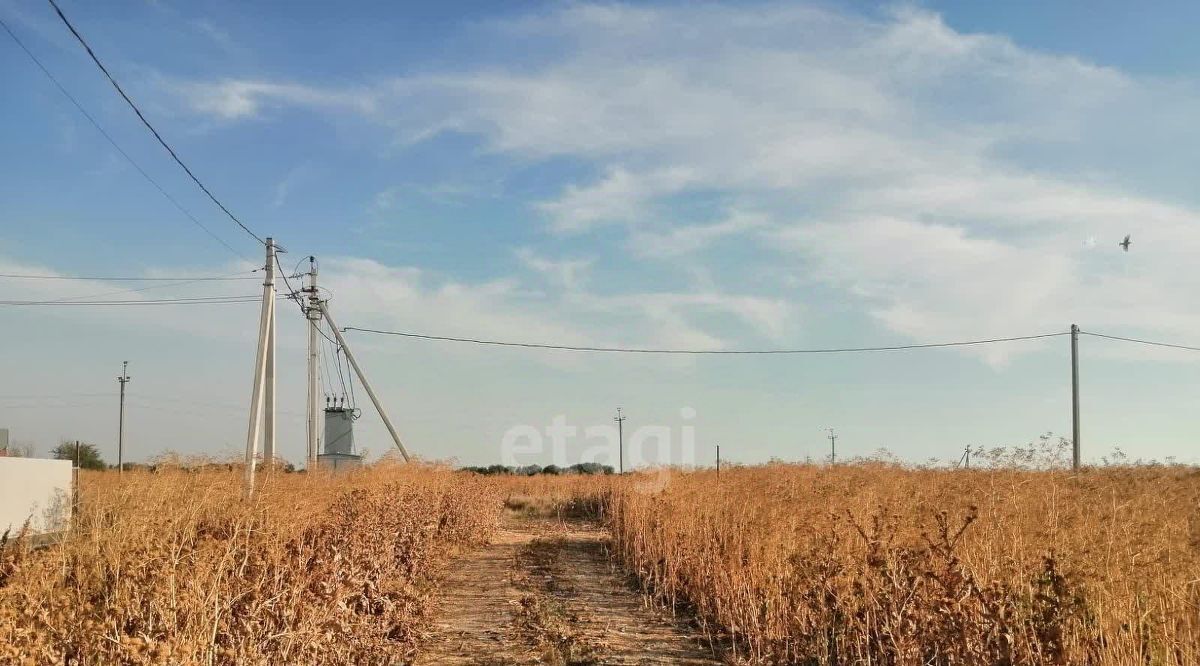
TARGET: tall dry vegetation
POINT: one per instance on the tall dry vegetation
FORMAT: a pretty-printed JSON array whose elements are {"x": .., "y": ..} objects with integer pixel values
[
  {"x": 873, "y": 564},
  {"x": 172, "y": 567}
]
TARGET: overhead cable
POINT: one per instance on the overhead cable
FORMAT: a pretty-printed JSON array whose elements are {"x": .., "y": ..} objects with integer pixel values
[
  {"x": 208, "y": 300},
  {"x": 150, "y": 127},
  {"x": 1140, "y": 342},
  {"x": 642, "y": 350},
  {"x": 218, "y": 278},
  {"x": 114, "y": 144},
  {"x": 168, "y": 285},
  {"x": 294, "y": 295}
]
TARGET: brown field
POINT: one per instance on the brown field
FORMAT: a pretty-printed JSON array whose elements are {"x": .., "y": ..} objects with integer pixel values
[
  {"x": 172, "y": 567},
  {"x": 872, "y": 564},
  {"x": 859, "y": 564}
]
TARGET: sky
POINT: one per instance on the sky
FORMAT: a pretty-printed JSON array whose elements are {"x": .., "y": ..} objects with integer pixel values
[{"x": 673, "y": 175}]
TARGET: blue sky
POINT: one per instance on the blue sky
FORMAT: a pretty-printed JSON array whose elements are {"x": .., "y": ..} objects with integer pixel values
[{"x": 710, "y": 176}]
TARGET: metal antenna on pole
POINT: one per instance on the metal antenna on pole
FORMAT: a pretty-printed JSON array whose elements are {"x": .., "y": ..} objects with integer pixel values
[
  {"x": 123, "y": 379},
  {"x": 1074, "y": 397},
  {"x": 832, "y": 447},
  {"x": 266, "y": 324},
  {"x": 363, "y": 379},
  {"x": 620, "y": 419},
  {"x": 312, "y": 312}
]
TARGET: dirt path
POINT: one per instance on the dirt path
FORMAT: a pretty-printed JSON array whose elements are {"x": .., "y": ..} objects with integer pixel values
[{"x": 544, "y": 593}]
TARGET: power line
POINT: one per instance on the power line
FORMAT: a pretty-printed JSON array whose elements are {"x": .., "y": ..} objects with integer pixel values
[
  {"x": 634, "y": 350},
  {"x": 1140, "y": 342},
  {"x": 332, "y": 356},
  {"x": 350, "y": 376},
  {"x": 337, "y": 362},
  {"x": 201, "y": 403},
  {"x": 27, "y": 276},
  {"x": 145, "y": 122},
  {"x": 207, "y": 300},
  {"x": 327, "y": 379},
  {"x": 178, "y": 283},
  {"x": 294, "y": 295},
  {"x": 14, "y": 396},
  {"x": 113, "y": 142}
]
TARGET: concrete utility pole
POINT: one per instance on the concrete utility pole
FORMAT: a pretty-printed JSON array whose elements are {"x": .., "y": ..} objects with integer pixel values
[
  {"x": 269, "y": 385},
  {"x": 75, "y": 485},
  {"x": 266, "y": 326},
  {"x": 313, "y": 312},
  {"x": 832, "y": 447},
  {"x": 1074, "y": 397},
  {"x": 123, "y": 379},
  {"x": 363, "y": 380},
  {"x": 620, "y": 441}
]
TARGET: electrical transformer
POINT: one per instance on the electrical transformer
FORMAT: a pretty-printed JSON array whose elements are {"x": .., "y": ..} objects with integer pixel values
[{"x": 339, "y": 438}]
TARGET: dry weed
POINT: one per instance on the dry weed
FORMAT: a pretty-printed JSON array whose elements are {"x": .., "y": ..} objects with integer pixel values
[
  {"x": 172, "y": 567},
  {"x": 883, "y": 565}
]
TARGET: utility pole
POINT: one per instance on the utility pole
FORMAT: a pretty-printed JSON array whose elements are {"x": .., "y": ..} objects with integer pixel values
[
  {"x": 313, "y": 313},
  {"x": 1074, "y": 397},
  {"x": 266, "y": 325},
  {"x": 620, "y": 419},
  {"x": 269, "y": 386},
  {"x": 363, "y": 379},
  {"x": 832, "y": 447},
  {"x": 75, "y": 486},
  {"x": 718, "y": 460},
  {"x": 123, "y": 379}
]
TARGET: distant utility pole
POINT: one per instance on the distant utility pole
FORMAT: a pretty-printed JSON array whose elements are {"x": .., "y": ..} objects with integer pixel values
[
  {"x": 832, "y": 447},
  {"x": 718, "y": 460},
  {"x": 1074, "y": 397},
  {"x": 123, "y": 379},
  {"x": 75, "y": 485},
  {"x": 620, "y": 419}
]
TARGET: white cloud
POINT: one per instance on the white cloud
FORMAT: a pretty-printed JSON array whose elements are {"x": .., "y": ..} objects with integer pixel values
[
  {"x": 567, "y": 274},
  {"x": 685, "y": 239},
  {"x": 293, "y": 178},
  {"x": 232, "y": 99},
  {"x": 946, "y": 180},
  {"x": 620, "y": 196},
  {"x": 412, "y": 300},
  {"x": 216, "y": 34}
]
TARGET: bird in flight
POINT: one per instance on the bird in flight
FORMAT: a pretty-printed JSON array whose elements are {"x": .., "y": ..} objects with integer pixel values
[{"x": 1125, "y": 243}]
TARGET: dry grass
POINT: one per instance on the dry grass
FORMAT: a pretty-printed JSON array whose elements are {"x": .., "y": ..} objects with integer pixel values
[
  {"x": 859, "y": 564},
  {"x": 172, "y": 567},
  {"x": 873, "y": 564}
]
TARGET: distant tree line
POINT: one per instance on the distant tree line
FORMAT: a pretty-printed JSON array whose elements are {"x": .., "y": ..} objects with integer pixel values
[
  {"x": 534, "y": 470},
  {"x": 88, "y": 457}
]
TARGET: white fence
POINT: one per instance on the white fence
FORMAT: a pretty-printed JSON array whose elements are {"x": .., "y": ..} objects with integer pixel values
[{"x": 35, "y": 490}]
